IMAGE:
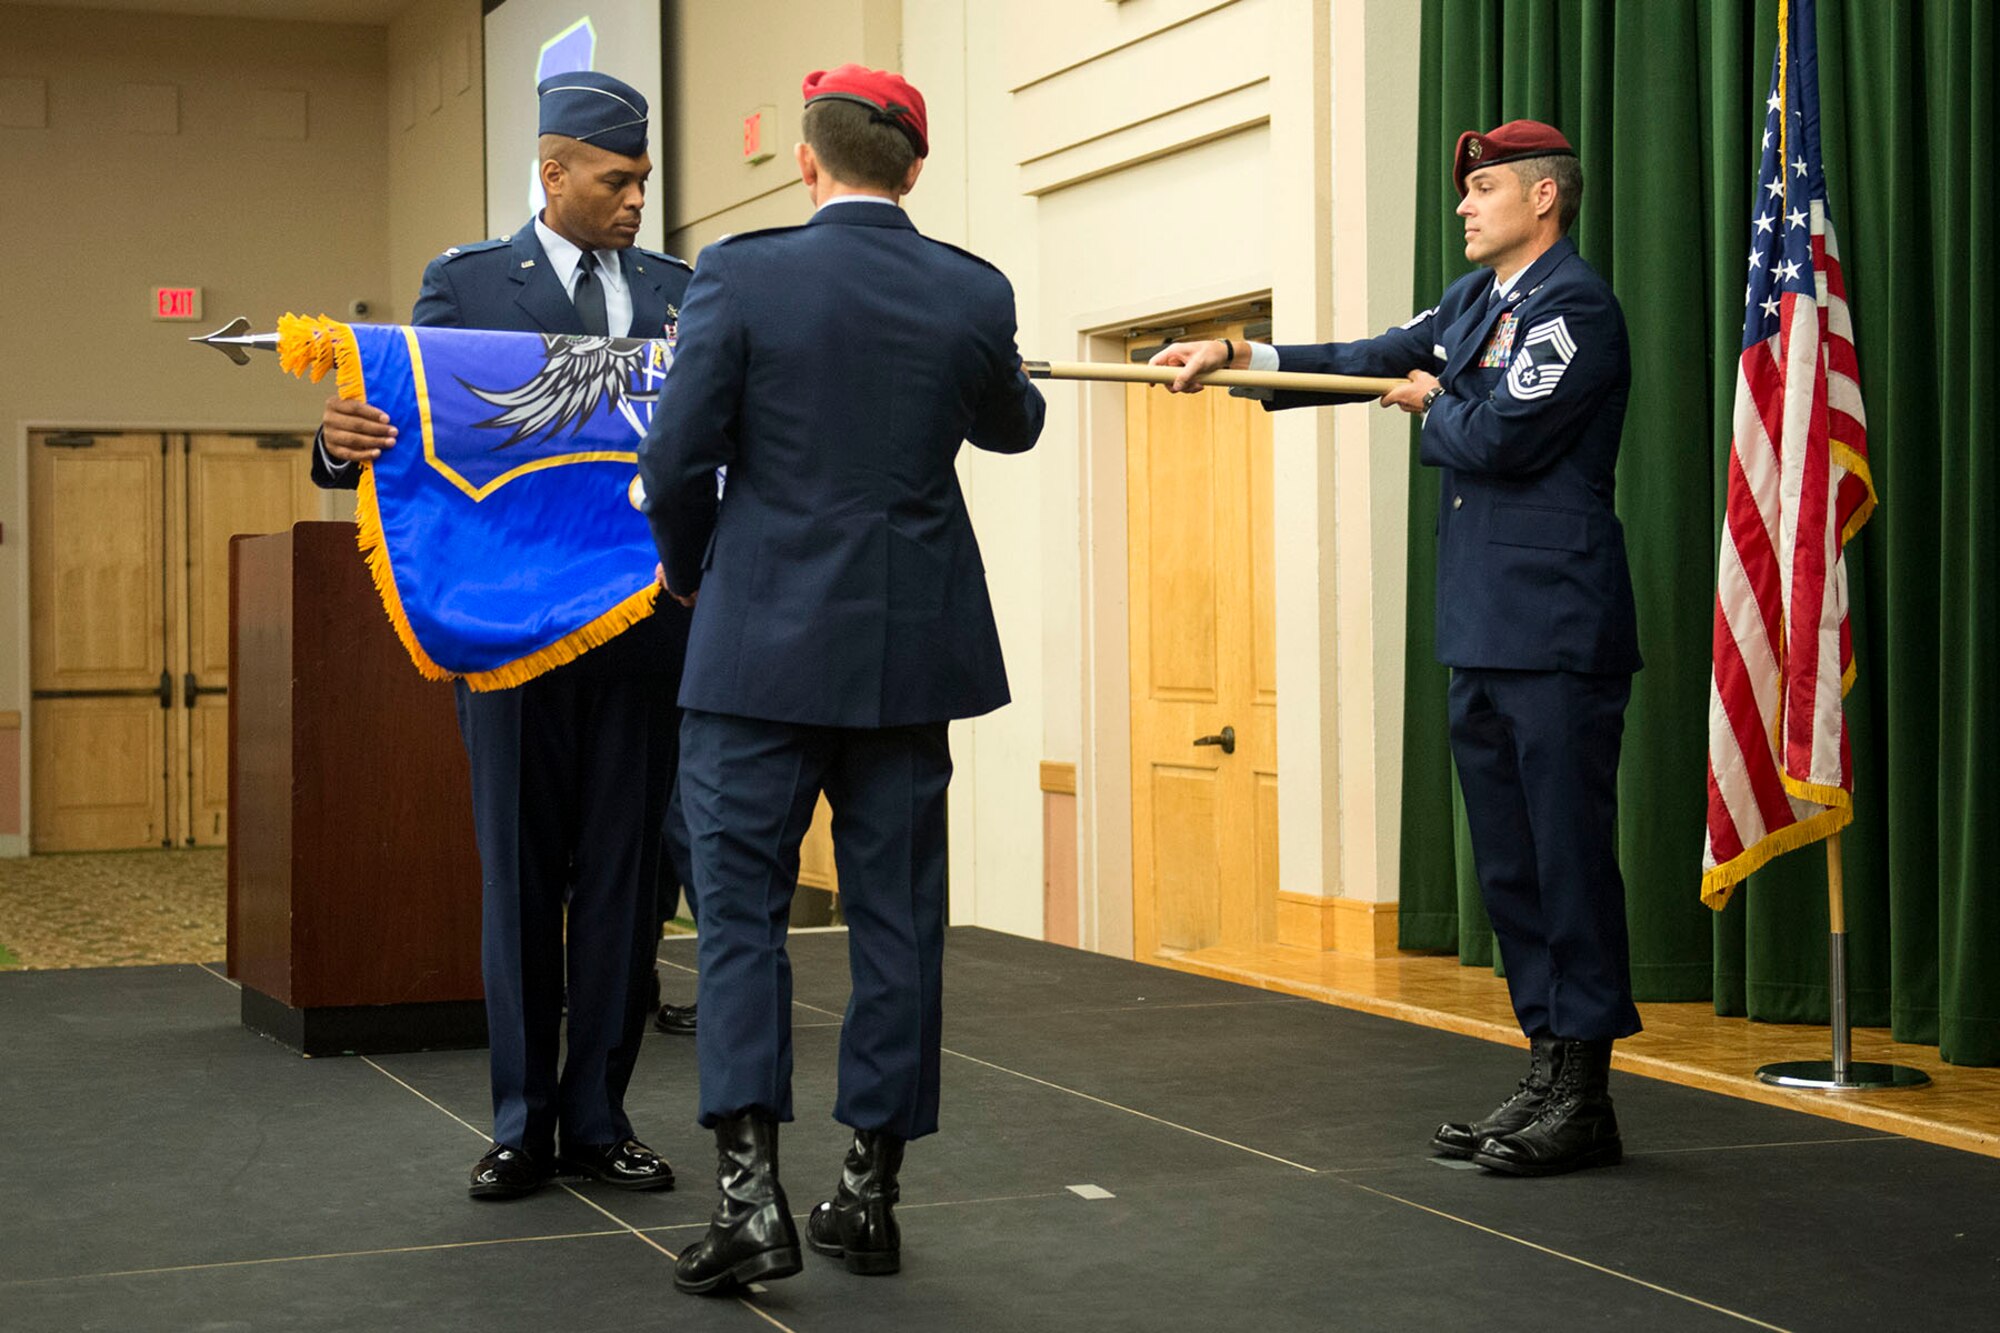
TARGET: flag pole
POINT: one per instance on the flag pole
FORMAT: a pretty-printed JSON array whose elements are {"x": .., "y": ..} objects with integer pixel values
[
  {"x": 1841, "y": 1074},
  {"x": 1299, "y": 382}
]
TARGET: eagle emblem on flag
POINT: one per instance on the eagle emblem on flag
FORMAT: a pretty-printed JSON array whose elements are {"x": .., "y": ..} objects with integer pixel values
[{"x": 502, "y": 534}]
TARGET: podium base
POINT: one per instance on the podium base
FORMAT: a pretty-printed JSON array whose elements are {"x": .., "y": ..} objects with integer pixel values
[
  {"x": 1862, "y": 1076},
  {"x": 367, "y": 1029}
]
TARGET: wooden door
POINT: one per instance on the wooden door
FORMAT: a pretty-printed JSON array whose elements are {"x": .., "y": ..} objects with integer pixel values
[
  {"x": 100, "y": 687},
  {"x": 1203, "y": 668},
  {"x": 234, "y": 484},
  {"x": 130, "y": 620}
]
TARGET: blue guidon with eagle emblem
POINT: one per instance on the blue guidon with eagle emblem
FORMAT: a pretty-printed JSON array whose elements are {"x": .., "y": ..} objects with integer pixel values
[{"x": 509, "y": 541}]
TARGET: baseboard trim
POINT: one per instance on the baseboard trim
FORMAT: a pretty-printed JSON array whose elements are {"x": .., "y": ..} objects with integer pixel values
[
  {"x": 1338, "y": 925},
  {"x": 13, "y": 844}
]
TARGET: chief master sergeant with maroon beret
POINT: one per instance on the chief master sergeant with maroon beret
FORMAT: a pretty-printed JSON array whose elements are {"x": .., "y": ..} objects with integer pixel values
[{"x": 1521, "y": 373}]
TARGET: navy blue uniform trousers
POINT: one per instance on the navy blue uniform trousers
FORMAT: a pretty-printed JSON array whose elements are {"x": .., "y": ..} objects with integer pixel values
[
  {"x": 567, "y": 768},
  {"x": 748, "y": 789},
  {"x": 1537, "y": 758}
]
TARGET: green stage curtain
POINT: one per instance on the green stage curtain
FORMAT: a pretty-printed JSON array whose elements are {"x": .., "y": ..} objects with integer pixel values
[{"x": 1664, "y": 103}]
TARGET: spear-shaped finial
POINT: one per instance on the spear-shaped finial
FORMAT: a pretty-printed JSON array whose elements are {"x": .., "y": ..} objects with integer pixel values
[{"x": 235, "y": 336}]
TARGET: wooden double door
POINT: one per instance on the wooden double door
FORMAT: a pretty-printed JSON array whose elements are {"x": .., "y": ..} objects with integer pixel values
[
  {"x": 1204, "y": 687},
  {"x": 129, "y": 617}
]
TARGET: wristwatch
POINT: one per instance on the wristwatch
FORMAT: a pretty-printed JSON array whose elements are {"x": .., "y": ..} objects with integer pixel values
[{"x": 1436, "y": 393}]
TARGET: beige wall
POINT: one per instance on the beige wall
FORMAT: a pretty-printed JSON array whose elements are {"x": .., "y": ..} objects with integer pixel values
[
  {"x": 247, "y": 158},
  {"x": 436, "y": 128},
  {"x": 731, "y": 57},
  {"x": 1129, "y": 164}
]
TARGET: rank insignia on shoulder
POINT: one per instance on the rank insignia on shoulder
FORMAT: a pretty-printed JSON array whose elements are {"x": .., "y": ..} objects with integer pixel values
[
  {"x": 527, "y": 263},
  {"x": 1545, "y": 354},
  {"x": 450, "y": 251},
  {"x": 1417, "y": 319}
]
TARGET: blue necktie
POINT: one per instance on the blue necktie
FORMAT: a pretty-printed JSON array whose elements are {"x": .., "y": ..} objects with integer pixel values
[{"x": 589, "y": 297}]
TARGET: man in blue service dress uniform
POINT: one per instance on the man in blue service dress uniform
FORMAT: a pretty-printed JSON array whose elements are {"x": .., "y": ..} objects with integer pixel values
[
  {"x": 835, "y": 368},
  {"x": 570, "y": 771},
  {"x": 1521, "y": 373}
]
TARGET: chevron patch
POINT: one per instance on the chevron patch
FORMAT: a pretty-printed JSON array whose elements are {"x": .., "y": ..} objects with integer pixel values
[{"x": 1545, "y": 354}]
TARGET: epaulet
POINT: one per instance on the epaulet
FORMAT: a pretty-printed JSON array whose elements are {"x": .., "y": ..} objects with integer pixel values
[
  {"x": 477, "y": 247},
  {"x": 663, "y": 257},
  {"x": 977, "y": 259}
]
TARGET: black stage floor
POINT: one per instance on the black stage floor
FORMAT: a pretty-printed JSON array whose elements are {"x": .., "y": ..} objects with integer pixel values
[{"x": 1123, "y": 1148}]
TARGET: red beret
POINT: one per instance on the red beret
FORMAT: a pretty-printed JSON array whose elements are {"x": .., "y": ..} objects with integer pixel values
[
  {"x": 889, "y": 95},
  {"x": 1510, "y": 143}
]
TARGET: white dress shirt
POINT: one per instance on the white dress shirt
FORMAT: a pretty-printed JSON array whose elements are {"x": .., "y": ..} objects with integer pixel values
[{"x": 566, "y": 258}]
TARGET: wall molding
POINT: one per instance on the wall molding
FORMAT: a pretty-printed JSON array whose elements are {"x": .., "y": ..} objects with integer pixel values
[
  {"x": 1058, "y": 779},
  {"x": 1351, "y": 926},
  {"x": 10, "y": 719}
]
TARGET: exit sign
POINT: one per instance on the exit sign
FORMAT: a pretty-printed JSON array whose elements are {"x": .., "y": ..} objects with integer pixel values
[
  {"x": 757, "y": 128},
  {"x": 176, "y": 303}
]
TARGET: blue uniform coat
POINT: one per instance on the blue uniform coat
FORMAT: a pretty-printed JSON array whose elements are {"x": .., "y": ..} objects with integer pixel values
[
  {"x": 1531, "y": 556},
  {"x": 1534, "y": 612},
  {"x": 841, "y": 584}
]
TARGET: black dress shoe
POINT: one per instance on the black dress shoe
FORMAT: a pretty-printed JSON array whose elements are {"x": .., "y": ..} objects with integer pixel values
[
  {"x": 750, "y": 1235},
  {"x": 858, "y": 1224},
  {"x": 630, "y": 1165},
  {"x": 1576, "y": 1129},
  {"x": 507, "y": 1173},
  {"x": 676, "y": 1020},
  {"x": 1461, "y": 1140}
]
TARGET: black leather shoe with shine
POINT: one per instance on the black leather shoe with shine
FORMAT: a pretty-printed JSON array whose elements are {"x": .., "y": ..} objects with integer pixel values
[
  {"x": 750, "y": 1235},
  {"x": 1576, "y": 1129},
  {"x": 858, "y": 1224},
  {"x": 1461, "y": 1140},
  {"x": 507, "y": 1173},
  {"x": 676, "y": 1020},
  {"x": 630, "y": 1165}
]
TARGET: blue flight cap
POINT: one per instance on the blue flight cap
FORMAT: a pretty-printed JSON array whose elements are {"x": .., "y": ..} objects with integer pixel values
[{"x": 595, "y": 108}]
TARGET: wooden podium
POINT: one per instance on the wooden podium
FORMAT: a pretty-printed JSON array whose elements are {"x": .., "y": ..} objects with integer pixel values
[{"x": 354, "y": 886}]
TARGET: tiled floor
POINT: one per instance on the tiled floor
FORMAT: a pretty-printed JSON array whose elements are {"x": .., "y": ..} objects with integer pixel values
[
  {"x": 1124, "y": 1147},
  {"x": 1683, "y": 1043}
]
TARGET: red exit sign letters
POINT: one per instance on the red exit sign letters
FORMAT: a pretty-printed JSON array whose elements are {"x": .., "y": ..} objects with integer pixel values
[
  {"x": 756, "y": 131},
  {"x": 176, "y": 303}
]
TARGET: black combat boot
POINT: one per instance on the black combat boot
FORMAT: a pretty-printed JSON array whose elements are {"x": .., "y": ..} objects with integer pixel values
[
  {"x": 1576, "y": 1129},
  {"x": 858, "y": 1225},
  {"x": 750, "y": 1235},
  {"x": 1457, "y": 1139}
]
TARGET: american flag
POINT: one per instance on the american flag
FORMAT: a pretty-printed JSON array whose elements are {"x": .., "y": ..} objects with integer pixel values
[{"x": 1780, "y": 774}]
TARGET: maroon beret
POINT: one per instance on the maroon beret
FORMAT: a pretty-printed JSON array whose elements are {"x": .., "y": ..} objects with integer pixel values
[
  {"x": 890, "y": 96},
  {"x": 1510, "y": 143}
]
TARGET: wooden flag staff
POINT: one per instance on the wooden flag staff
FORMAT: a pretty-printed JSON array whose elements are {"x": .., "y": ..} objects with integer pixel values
[
  {"x": 1841, "y": 1074},
  {"x": 1118, "y": 371}
]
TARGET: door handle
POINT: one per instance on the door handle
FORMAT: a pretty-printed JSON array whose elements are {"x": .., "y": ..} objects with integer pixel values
[
  {"x": 166, "y": 689},
  {"x": 1227, "y": 740}
]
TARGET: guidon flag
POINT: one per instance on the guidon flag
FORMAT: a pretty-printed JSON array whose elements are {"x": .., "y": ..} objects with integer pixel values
[{"x": 502, "y": 531}]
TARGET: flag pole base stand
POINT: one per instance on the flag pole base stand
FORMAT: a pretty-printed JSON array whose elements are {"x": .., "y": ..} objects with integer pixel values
[{"x": 1861, "y": 1076}]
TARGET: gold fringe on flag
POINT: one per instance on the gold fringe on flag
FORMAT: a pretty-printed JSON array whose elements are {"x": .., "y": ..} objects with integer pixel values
[{"x": 310, "y": 347}]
